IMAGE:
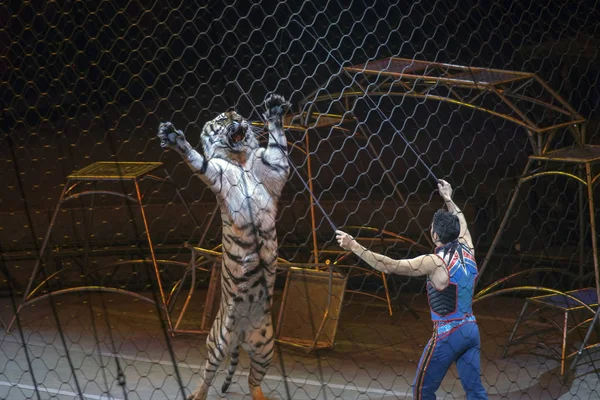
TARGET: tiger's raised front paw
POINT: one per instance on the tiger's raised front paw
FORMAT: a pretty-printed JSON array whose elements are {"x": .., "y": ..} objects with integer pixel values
[
  {"x": 276, "y": 106},
  {"x": 169, "y": 136}
]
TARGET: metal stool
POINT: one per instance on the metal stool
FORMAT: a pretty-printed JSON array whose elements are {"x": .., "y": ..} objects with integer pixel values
[
  {"x": 567, "y": 304},
  {"x": 131, "y": 172}
]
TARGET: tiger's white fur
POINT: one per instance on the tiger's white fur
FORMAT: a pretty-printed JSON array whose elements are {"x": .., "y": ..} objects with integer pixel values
[{"x": 247, "y": 180}]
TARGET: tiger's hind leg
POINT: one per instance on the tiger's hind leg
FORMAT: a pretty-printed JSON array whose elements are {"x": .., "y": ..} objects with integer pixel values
[
  {"x": 260, "y": 347},
  {"x": 218, "y": 343}
]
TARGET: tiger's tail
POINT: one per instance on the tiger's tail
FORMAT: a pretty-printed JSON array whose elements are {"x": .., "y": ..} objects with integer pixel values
[{"x": 233, "y": 363}]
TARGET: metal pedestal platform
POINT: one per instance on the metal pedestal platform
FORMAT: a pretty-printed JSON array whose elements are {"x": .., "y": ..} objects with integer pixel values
[
  {"x": 569, "y": 305},
  {"x": 100, "y": 172},
  {"x": 583, "y": 158}
]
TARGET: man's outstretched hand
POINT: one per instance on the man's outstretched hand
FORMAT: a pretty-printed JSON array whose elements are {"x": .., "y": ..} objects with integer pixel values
[
  {"x": 445, "y": 190},
  {"x": 345, "y": 241}
]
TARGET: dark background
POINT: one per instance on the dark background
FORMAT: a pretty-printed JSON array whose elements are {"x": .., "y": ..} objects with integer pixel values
[{"x": 86, "y": 81}]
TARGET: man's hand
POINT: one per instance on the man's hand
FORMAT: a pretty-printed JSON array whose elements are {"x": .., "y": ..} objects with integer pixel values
[
  {"x": 345, "y": 241},
  {"x": 445, "y": 190}
]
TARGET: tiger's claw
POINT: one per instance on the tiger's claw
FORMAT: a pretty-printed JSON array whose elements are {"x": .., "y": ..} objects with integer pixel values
[
  {"x": 168, "y": 135},
  {"x": 276, "y": 106}
]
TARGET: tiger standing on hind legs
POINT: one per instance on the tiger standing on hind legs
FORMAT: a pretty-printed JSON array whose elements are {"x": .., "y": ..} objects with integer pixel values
[{"x": 247, "y": 180}]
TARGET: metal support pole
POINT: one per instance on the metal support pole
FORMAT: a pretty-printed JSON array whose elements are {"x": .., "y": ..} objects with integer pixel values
[
  {"x": 88, "y": 226},
  {"x": 36, "y": 268},
  {"x": 588, "y": 173},
  {"x": 496, "y": 240},
  {"x": 387, "y": 293},
  {"x": 590, "y": 190},
  {"x": 584, "y": 343},
  {"x": 514, "y": 330},
  {"x": 564, "y": 342},
  {"x": 312, "y": 205},
  {"x": 581, "y": 196},
  {"x": 193, "y": 285},
  {"x": 152, "y": 255},
  {"x": 193, "y": 271},
  {"x": 326, "y": 315},
  {"x": 213, "y": 286}
]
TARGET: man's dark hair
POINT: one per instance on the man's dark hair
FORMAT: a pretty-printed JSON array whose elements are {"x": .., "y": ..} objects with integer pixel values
[{"x": 446, "y": 225}]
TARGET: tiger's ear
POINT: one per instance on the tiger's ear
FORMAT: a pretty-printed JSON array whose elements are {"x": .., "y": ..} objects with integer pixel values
[{"x": 220, "y": 116}]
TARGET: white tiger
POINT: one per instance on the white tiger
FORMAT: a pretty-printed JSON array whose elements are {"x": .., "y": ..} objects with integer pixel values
[{"x": 247, "y": 180}]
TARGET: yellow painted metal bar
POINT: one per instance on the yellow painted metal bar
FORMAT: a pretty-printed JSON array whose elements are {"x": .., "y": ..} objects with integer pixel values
[{"x": 553, "y": 173}]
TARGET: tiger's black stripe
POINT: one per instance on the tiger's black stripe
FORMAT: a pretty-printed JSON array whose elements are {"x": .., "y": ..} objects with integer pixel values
[
  {"x": 244, "y": 245},
  {"x": 280, "y": 168},
  {"x": 278, "y": 146}
]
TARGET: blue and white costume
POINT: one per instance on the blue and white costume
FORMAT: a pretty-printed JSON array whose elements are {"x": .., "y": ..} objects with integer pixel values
[{"x": 455, "y": 331}]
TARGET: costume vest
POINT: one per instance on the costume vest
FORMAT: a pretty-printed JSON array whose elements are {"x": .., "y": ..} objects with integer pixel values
[{"x": 455, "y": 301}]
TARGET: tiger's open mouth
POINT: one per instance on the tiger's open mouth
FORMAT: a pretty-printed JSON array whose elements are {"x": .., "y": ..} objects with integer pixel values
[{"x": 236, "y": 137}]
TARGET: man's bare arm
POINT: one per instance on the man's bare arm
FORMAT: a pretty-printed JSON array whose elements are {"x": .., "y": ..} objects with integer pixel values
[
  {"x": 418, "y": 266},
  {"x": 446, "y": 193}
]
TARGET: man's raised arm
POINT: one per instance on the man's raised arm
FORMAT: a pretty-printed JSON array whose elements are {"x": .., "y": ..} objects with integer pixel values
[{"x": 446, "y": 193}]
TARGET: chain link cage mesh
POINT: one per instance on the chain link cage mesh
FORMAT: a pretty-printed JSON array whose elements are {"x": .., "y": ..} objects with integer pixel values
[{"x": 103, "y": 301}]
